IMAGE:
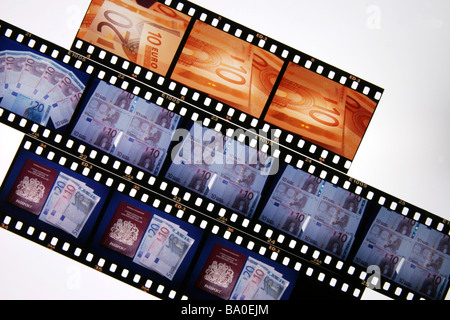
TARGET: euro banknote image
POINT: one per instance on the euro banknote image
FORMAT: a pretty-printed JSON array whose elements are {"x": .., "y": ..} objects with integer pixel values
[
  {"x": 321, "y": 110},
  {"x": 147, "y": 33},
  {"x": 227, "y": 68},
  {"x": 37, "y": 87}
]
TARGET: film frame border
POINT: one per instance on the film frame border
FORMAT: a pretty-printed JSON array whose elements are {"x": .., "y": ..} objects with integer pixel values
[
  {"x": 241, "y": 119},
  {"x": 177, "y": 106},
  {"x": 157, "y": 96},
  {"x": 256, "y": 228},
  {"x": 275, "y": 244},
  {"x": 344, "y": 287}
]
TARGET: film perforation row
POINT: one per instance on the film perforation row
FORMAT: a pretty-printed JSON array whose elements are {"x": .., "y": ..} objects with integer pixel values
[
  {"x": 262, "y": 249},
  {"x": 78, "y": 62},
  {"x": 256, "y": 39},
  {"x": 125, "y": 187},
  {"x": 204, "y": 103},
  {"x": 256, "y": 228},
  {"x": 85, "y": 257},
  {"x": 328, "y": 174}
]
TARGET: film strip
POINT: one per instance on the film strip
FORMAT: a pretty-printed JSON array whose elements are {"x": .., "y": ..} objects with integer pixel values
[
  {"x": 269, "y": 234},
  {"x": 213, "y": 230},
  {"x": 233, "y": 73}
]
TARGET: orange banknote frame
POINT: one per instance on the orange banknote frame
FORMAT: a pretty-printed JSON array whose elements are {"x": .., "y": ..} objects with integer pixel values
[{"x": 234, "y": 71}]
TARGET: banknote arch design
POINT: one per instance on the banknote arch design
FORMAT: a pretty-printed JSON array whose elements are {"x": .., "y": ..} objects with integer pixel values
[{"x": 392, "y": 227}]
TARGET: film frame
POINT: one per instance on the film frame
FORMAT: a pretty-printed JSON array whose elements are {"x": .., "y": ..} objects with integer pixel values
[
  {"x": 215, "y": 108},
  {"x": 284, "y": 246}
]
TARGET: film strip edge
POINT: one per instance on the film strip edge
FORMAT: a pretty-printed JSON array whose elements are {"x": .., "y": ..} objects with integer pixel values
[
  {"x": 241, "y": 119},
  {"x": 278, "y": 246},
  {"x": 398, "y": 205},
  {"x": 83, "y": 255}
]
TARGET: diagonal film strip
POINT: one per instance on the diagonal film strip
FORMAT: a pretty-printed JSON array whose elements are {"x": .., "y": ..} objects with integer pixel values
[
  {"x": 124, "y": 192},
  {"x": 244, "y": 76},
  {"x": 306, "y": 225}
]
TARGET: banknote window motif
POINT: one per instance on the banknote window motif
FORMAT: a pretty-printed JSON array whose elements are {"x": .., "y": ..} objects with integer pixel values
[
  {"x": 147, "y": 33},
  {"x": 227, "y": 68},
  {"x": 37, "y": 87},
  {"x": 128, "y": 127},
  {"x": 69, "y": 204},
  {"x": 315, "y": 211},
  {"x": 321, "y": 110},
  {"x": 259, "y": 281},
  {"x": 163, "y": 247},
  {"x": 221, "y": 169}
]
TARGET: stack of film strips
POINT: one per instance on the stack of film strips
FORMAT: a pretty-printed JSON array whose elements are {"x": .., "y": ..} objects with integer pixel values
[{"x": 194, "y": 158}]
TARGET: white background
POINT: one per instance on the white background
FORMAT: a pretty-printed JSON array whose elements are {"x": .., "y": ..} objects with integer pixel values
[{"x": 402, "y": 46}]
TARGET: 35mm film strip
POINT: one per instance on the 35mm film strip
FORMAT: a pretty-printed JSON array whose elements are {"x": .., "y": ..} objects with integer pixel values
[
  {"x": 285, "y": 228},
  {"x": 87, "y": 69},
  {"x": 234, "y": 73},
  {"x": 209, "y": 232},
  {"x": 277, "y": 246}
]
